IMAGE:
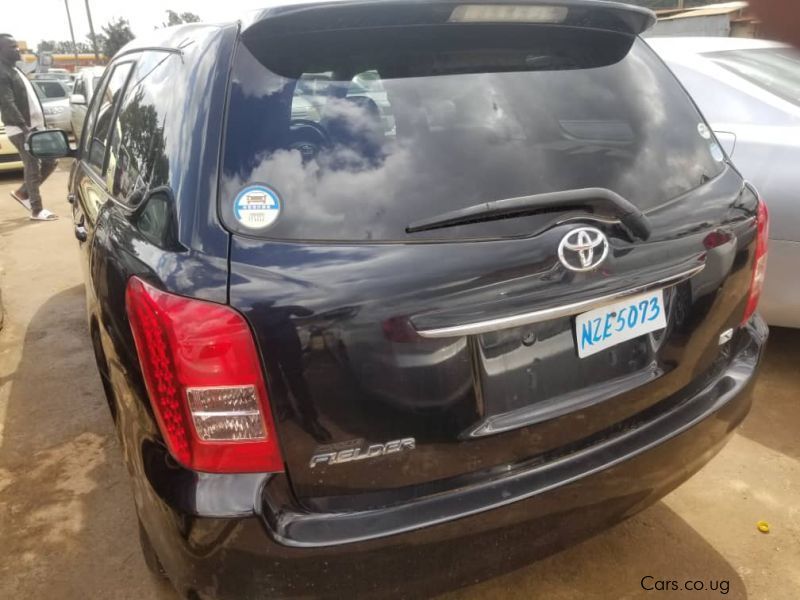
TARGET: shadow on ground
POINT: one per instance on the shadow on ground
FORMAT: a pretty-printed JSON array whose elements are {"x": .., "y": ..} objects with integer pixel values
[
  {"x": 657, "y": 543},
  {"x": 66, "y": 514},
  {"x": 774, "y": 421}
]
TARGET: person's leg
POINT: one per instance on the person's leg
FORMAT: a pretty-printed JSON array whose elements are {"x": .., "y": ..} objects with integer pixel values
[
  {"x": 32, "y": 170},
  {"x": 48, "y": 166}
]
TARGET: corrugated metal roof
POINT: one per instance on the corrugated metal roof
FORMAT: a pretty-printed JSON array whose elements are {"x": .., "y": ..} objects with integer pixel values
[{"x": 711, "y": 10}]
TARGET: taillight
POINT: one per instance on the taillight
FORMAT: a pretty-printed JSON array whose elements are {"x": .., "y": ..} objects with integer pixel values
[
  {"x": 205, "y": 383},
  {"x": 400, "y": 329},
  {"x": 759, "y": 261}
]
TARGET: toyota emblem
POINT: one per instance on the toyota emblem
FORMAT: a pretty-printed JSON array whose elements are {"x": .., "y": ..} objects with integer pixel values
[{"x": 583, "y": 249}]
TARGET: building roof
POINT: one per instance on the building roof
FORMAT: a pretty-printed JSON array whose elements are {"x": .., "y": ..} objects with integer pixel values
[{"x": 711, "y": 10}]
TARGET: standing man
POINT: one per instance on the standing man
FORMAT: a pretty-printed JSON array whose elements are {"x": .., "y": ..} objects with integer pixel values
[{"x": 22, "y": 113}]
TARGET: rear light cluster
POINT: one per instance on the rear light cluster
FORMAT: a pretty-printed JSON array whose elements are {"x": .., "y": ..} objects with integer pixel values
[
  {"x": 204, "y": 380},
  {"x": 400, "y": 329},
  {"x": 759, "y": 261}
]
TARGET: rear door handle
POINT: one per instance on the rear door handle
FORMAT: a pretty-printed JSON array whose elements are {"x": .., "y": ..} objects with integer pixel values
[
  {"x": 80, "y": 230},
  {"x": 80, "y": 233}
]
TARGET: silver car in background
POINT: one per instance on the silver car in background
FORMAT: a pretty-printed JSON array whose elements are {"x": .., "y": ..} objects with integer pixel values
[
  {"x": 54, "y": 96},
  {"x": 86, "y": 82},
  {"x": 749, "y": 91}
]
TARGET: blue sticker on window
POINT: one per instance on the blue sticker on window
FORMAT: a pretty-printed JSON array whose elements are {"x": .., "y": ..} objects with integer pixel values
[{"x": 257, "y": 206}]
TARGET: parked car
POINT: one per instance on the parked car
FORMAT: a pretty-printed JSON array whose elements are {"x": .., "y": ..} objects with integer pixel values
[
  {"x": 9, "y": 157},
  {"x": 55, "y": 103},
  {"x": 336, "y": 355},
  {"x": 61, "y": 75},
  {"x": 86, "y": 82},
  {"x": 312, "y": 92},
  {"x": 749, "y": 90}
]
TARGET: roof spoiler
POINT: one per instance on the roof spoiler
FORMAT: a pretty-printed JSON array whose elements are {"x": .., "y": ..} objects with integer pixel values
[{"x": 298, "y": 16}]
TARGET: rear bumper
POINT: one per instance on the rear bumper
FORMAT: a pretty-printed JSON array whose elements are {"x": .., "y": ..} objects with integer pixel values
[
  {"x": 59, "y": 121},
  {"x": 272, "y": 548}
]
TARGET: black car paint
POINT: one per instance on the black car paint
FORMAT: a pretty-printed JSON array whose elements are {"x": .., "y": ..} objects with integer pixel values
[
  {"x": 466, "y": 282},
  {"x": 233, "y": 535},
  {"x": 206, "y": 542}
]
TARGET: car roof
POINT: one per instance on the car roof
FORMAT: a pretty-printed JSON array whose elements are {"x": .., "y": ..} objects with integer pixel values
[
  {"x": 91, "y": 72},
  {"x": 701, "y": 45},
  {"x": 617, "y": 16},
  {"x": 631, "y": 18}
]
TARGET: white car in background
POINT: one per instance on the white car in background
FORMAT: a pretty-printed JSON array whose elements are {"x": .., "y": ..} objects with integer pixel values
[
  {"x": 86, "y": 82},
  {"x": 749, "y": 91},
  {"x": 54, "y": 95}
]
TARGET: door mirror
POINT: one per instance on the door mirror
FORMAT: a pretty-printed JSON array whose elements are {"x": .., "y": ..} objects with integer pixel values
[
  {"x": 77, "y": 99},
  {"x": 51, "y": 143}
]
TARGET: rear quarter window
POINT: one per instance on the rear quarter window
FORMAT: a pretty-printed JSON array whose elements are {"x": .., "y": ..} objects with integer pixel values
[{"x": 357, "y": 143}]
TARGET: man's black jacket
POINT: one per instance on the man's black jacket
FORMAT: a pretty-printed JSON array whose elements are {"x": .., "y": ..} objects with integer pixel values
[{"x": 14, "y": 106}]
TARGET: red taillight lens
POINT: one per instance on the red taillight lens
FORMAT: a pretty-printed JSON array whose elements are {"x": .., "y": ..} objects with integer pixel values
[
  {"x": 400, "y": 329},
  {"x": 759, "y": 261},
  {"x": 204, "y": 379}
]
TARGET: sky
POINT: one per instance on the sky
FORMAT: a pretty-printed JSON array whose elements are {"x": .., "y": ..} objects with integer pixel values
[{"x": 35, "y": 20}]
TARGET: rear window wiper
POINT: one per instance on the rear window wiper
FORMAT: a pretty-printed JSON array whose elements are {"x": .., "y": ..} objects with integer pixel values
[{"x": 598, "y": 201}]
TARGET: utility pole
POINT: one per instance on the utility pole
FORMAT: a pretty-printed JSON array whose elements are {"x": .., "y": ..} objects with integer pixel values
[
  {"x": 72, "y": 35},
  {"x": 91, "y": 32}
]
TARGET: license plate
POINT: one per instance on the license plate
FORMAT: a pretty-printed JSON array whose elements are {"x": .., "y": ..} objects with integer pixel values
[{"x": 613, "y": 324}]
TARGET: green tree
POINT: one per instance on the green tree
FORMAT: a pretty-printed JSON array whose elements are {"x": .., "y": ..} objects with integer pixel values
[
  {"x": 116, "y": 33},
  {"x": 174, "y": 18},
  {"x": 62, "y": 47}
]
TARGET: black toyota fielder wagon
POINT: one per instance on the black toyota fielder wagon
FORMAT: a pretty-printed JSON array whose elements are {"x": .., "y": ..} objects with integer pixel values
[{"x": 390, "y": 296}]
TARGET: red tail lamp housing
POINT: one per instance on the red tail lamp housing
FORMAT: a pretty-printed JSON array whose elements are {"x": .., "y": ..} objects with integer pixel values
[
  {"x": 205, "y": 382},
  {"x": 759, "y": 261}
]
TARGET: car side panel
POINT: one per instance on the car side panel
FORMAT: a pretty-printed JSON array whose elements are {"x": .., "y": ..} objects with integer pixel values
[
  {"x": 118, "y": 249},
  {"x": 780, "y": 300}
]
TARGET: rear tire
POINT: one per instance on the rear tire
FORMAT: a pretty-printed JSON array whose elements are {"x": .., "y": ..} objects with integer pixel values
[{"x": 150, "y": 557}]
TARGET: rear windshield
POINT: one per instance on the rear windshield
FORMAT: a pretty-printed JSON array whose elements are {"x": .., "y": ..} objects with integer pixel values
[
  {"x": 355, "y": 135},
  {"x": 774, "y": 69},
  {"x": 50, "y": 89}
]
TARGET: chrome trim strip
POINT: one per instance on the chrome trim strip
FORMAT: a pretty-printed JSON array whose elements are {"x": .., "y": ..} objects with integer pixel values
[
  {"x": 556, "y": 312},
  {"x": 226, "y": 413}
]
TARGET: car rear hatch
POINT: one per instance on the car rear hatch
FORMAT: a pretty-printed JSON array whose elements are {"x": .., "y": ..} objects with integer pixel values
[{"x": 415, "y": 250}]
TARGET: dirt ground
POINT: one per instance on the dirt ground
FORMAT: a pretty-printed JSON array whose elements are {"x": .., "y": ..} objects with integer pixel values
[{"x": 67, "y": 524}]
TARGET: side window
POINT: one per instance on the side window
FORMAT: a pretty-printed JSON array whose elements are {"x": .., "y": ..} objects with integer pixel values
[
  {"x": 137, "y": 155},
  {"x": 80, "y": 87},
  {"x": 91, "y": 115},
  {"x": 103, "y": 108}
]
